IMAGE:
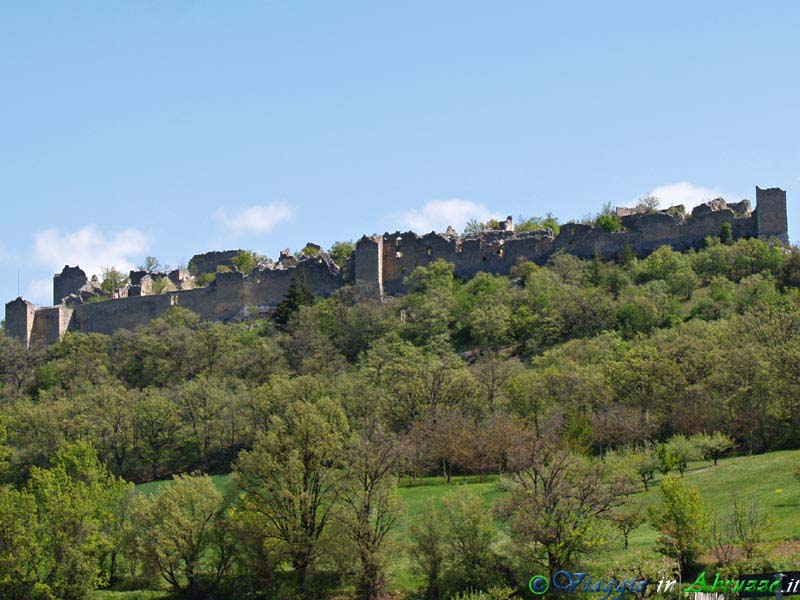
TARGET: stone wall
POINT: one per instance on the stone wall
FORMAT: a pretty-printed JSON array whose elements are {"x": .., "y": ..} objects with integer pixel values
[
  {"x": 50, "y": 324},
  {"x": 69, "y": 281},
  {"x": 228, "y": 297},
  {"x": 208, "y": 262},
  {"x": 497, "y": 251},
  {"x": 381, "y": 263}
]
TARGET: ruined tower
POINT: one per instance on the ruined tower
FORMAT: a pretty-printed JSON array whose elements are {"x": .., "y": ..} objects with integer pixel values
[
  {"x": 771, "y": 220},
  {"x": 69, "y": 281},
  {"x": 19, "y": 320}
]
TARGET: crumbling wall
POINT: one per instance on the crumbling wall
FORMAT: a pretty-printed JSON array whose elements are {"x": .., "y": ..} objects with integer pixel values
[
  {"x": 69, "y": 281},
  {"x": 497, "y": 251},
  {"x": 50, "y": 324},
  {"x": 208, "y": 262},
  {"x": 381, "y": 263},
  {"x": 268, "y": 287},
  {"x": 226, "y": 298}
]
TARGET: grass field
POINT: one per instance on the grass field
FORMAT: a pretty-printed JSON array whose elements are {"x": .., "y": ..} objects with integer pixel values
[{"x": 768, "y": 477}]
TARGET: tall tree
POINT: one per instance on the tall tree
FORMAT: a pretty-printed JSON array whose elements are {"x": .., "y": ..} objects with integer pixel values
[
  {"x": 176, "y": 528},
  {"x": 371, "y": 505},
  {"x": 290, "y": 478},
  {"x": 556, "y": 499},
  {"x": 298, "y": 295},
  {"x": 682, "y": 518}
]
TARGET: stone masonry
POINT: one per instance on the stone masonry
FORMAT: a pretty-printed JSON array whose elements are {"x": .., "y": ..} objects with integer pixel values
[{"x": 380, "y": 264}]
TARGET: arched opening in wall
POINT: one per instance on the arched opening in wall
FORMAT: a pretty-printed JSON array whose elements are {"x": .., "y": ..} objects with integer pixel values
[
  {"x": 500, "y": 252},
  {"x": 483, "y": 259},
  {"x": 458, "y": 248},
  {"x": 398, "y": 254},
  {"x": 428, "y": 250}
]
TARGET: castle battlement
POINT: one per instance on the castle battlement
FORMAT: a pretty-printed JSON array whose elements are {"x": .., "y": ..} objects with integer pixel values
[{"x": 380, "y": 263}]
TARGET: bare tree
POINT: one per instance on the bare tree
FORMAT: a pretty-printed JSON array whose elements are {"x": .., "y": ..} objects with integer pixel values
[{"x": 555, "y": 500}]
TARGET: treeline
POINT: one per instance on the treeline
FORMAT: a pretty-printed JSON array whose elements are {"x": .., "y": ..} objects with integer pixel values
[
  {"x": 625, "y": 353},
  {"x": 312, "y": 509}
]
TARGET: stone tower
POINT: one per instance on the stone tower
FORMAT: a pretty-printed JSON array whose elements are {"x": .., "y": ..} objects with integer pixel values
[
  {"x": 771, "y": 214},
  {"x": 19, "y": 320},
  {"x": 69, "y": 281}
]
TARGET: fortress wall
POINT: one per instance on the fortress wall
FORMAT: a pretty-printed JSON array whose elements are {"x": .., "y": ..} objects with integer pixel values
[
  {"x": 215, "y": 302},
  {"x": 498, "y": 252},
  {"x": 124, "y": 313},
  {"x": 268, "y": 287},
  {"x": 383, "y": 262},
  {"x": 208, "y": 262},
  {"x": 225, "y": 299},
  {"x": 403, "y": 252},
  {"x": 50, "y": 324}
]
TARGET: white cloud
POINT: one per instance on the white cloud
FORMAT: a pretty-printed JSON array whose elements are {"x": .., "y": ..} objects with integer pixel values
[
  {"x": 90, "y": 248},
  {"x": 436, "y": 215},
  {"x": 688, "y": 194},
  {"x": 40, "y": 291},
  {"x": 256, "y": 219}
]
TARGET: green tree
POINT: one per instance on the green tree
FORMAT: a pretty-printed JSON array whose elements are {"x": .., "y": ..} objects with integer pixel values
[
  {"x": 176, "y": 530},
  {"x": 298, "y": 295},
  {"x": 112, "y": 280},
  {"x": 340, "y": 252},
  {"x": 713, "y": 445},
  {"x": 726, "y": 234},
  {"x": 646, "y": 465},
  {"x": 246, "y": 261},
  {"x": 20, "y": 547},
  {"x": 371, "y": 505},
  {"x": 74, "y": 502},
  {"x": 427, "y": 548},
  {"x": 151, "y": 264},
  {"x": 677, "y": 453},
  {"x": 607, "y": 219},
  {"x": 156, "y": 421},
  {"x": 682, "y": 518},
  {"x": 534, "y": 223},
  {"x": 5, "y": 451},
  {"x": 556, "y": 501},
  {"x": 468, "y": 541},
  {"x": 451, "y": 545},
  {"x": 290, "y": 478}
]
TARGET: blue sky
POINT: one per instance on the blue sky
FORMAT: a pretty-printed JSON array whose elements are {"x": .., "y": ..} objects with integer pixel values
[{"x": 171, "y": 128}]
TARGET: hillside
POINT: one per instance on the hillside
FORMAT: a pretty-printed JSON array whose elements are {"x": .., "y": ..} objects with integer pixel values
[{"x": 549, "y": 369}]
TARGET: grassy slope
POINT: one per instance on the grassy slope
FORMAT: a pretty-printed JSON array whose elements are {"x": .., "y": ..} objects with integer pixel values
[{"x": 768, "y": 477}]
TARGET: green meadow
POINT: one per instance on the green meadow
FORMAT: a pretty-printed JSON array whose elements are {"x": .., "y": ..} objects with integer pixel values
[{"x": 767, "y": 477}]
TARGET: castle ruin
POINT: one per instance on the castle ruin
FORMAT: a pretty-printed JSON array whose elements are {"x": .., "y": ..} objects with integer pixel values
[{"x": 380, "y": 263}]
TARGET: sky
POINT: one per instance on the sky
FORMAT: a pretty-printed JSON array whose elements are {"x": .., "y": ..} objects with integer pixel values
[{"x": 171, "y": 128}]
